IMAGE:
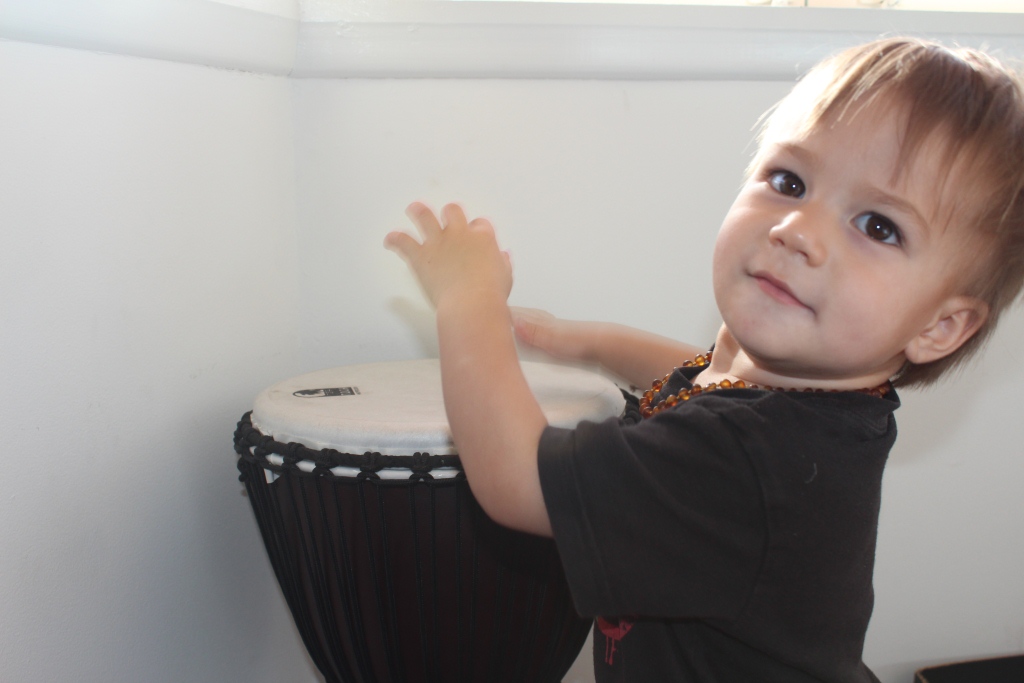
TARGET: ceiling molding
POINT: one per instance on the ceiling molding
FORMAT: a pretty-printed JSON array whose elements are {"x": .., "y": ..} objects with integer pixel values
[
  {"x": 435, "y": 39},
  {"x": 188, "y": 31}
]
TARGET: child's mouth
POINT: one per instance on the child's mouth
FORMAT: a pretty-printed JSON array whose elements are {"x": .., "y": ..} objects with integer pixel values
[{"x": 778, "y": 290}]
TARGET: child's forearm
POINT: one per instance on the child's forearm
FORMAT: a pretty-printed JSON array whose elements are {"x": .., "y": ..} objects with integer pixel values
[
  {"x": 637, "y": 356},
  {"x": 494, "y": 417}
]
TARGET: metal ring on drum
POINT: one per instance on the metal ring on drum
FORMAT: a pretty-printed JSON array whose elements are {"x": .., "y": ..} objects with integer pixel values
[{"x": 390, "y": 568}]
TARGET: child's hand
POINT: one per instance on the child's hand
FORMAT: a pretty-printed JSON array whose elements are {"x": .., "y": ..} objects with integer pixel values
[
  {"x": 564, "y": 339},
  {"x": 633, "y": 355},
  {"x": 456, "y": 258}
]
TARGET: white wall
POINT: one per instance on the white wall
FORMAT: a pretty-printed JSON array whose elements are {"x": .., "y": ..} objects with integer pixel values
[
  {"x": 593, "y": 186},
  {"x": 178, "y": 237},
  {"x": 147, "y": 283}
]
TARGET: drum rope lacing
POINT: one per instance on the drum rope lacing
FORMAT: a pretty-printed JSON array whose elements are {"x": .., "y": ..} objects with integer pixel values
[{"x": 253, "y": 445}]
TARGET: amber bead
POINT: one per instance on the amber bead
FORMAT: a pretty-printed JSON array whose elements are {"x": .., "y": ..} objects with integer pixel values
[{"x": 646, "y": 410}]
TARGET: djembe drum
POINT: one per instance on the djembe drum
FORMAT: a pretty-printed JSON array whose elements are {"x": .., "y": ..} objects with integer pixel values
[{"x": 390, "y": 568}]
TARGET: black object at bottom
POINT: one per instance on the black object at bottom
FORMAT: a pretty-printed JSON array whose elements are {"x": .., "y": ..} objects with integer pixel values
[
  {"x": 999, "y": 670},
  {"x": 407, "y": 581}
]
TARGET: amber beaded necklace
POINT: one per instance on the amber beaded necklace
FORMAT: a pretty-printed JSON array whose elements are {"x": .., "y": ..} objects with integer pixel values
[{"x": 649, "y": 408}]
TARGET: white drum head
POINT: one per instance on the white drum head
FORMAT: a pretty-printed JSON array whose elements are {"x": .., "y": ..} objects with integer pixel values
[{"x": 397, "y": 409}]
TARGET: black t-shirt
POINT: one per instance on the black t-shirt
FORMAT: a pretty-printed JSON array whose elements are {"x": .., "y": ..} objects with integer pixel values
[{"x": 730, "y": 538}]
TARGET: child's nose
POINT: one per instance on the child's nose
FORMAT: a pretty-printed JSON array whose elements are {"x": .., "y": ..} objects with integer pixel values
[{"x": 802, "y": 233}]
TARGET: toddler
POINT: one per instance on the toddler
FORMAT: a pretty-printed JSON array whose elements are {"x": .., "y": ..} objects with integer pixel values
[{"x": 729, "y": 534}]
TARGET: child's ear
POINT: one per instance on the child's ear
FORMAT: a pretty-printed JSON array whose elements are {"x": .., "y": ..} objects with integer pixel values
[{"x": 955, "y": 322}]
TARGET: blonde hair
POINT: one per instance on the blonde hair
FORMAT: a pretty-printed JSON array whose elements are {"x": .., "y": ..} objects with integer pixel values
[{"x": 976, "y": 105}]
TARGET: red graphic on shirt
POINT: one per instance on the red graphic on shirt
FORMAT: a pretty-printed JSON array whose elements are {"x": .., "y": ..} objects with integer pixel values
[{"x": 613, "y": 633}]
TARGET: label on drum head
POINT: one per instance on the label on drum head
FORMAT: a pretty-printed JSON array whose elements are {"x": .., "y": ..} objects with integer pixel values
[{"x": 320, "y": 393}]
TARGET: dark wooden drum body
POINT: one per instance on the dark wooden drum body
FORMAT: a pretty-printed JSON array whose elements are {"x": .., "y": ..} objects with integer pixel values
[{"x": 390, "y": 568}]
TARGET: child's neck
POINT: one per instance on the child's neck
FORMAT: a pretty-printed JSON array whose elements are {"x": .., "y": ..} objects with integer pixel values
[{"x": 730, "y": 361}]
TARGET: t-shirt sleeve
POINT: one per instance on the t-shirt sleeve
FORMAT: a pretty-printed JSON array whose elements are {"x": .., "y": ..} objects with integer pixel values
[{"x": 661, "y": 519}]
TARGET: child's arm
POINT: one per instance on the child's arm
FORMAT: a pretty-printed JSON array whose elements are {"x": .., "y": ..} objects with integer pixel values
[
  {"x": 634, "y": 355},
  {"x": 495, "y": 419}
]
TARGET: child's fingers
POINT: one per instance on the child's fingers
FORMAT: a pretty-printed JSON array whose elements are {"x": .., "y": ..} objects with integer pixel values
[
  {"x": 402, "y": 244},
  {"x": 424, "y": 220},
  {"x": 454, "y": 217}
]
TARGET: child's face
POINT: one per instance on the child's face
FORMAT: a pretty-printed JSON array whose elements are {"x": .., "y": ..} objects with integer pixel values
[{"x": 828, "y": 267}]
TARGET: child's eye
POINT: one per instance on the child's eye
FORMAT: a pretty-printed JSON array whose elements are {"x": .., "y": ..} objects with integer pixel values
[
  {"x": 878, "y": 227},
  {"x": 787, "y": 183}
]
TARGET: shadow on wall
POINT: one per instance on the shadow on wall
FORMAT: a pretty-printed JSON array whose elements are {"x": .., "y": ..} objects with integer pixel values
[{"x": 421, "y": 320}]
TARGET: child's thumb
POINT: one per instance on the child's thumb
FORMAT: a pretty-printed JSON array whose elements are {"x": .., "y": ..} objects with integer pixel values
[
  {"x": 525, "y": 324},
  {"x": 525, "y": 330}
]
